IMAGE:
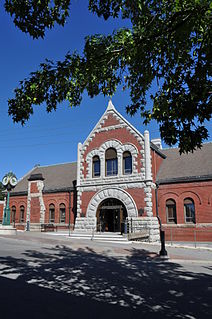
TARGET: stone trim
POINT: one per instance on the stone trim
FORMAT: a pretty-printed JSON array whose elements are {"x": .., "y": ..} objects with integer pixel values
[
  {"x": 40, "y": 186},
  {"x": 120, "y": 148},
  {"x": 147, "y": 223},
  {"x": 148, "y": 199},
  {"x": 113, "y": 192},
  {"x": 79, "y": 202},
  {"x": 79, "y": 147},
  {"x": 147, "y": 156},
  {"x": 123, "y": 123},
  {"x": 123, "y": 185}
]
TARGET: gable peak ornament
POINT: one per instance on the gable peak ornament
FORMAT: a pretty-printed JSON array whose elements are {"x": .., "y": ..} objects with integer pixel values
[{"x": 110, "y": 105}]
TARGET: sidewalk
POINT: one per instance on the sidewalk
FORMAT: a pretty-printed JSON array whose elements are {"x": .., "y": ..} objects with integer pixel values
[{"x": 119, "y": 249}]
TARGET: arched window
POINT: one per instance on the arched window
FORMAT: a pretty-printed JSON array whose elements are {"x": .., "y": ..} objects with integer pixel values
[
  {"x": 62, "y": 213},
  {"x": 96, "y": 166},
  {"x": 171, "y": 211},
  {"x": 51, "y": 213},
  {"x": 13, "y": 213},
  {"x": 189, "y": 210},
  {"x": 111, "y": 162},
  {"x": 127, "y": 163},
  {"x": 22, "y": 211}
]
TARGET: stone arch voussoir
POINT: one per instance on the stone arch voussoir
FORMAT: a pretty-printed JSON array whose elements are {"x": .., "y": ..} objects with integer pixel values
[{"x": 112, "y": 192}]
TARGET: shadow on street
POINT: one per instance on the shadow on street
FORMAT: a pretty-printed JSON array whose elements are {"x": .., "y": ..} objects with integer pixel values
[{"x": 63, "y": 283}]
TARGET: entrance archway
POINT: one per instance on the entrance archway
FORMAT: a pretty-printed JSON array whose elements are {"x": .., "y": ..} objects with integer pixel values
[{"x": 111, "y": 215}]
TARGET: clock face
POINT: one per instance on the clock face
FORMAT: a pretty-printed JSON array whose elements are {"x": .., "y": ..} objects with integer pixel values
[
  {"x": 13, "y": 181},
  {"x": 5, "y": 180}
]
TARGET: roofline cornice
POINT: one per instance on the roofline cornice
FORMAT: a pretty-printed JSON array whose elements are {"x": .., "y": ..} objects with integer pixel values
[{"x": 184, "y": 179}]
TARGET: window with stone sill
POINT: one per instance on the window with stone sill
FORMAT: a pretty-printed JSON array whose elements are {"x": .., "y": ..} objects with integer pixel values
[
  {"x": 62, "y": 213},
  {"x": 22, "y": 214},
  {"x": 96, "y": 166},
  {"x": 111, "y": 162},
  {"x": 51, "y": 213},
  {"x": 127, "y": 163},
  {"x": 189, "y": 210},
  {"x": 171, "y": 211}
]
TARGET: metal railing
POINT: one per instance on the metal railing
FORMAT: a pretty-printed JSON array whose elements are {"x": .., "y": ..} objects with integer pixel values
[{"x": 193, "y": 236}]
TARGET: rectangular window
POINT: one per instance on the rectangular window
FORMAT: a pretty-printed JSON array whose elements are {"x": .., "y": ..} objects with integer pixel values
[
  {"x": 112, "y": 167},
  {"x": 96, "y": 168},
  {"x": 51, "y": 215},
  {"x": 62, "y": 215},
  {"x": 189, "y": 213},
  {"x": 128, "y": 165},
  {"x": 171, "y": 214}
]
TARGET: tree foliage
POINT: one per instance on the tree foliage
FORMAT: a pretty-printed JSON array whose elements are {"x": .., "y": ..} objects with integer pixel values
[{"x": 169, "y": 45}]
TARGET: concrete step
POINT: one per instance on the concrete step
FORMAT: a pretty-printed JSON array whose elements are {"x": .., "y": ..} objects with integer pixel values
[{"x": 106, "y": 236}]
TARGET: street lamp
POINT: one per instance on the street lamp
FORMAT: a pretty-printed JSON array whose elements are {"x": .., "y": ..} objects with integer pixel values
[{"x": 9, "y": 181}]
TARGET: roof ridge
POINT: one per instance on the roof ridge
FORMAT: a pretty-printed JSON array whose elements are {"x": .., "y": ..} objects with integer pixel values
[
  {"x": 55, "y": 164},
  {"x": 175, "y": 148}
]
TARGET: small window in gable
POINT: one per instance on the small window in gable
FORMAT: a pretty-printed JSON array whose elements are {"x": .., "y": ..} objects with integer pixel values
[
  {"x": 171, "y": 211},
  {"x": 96, "y": 166},
  {"x": 127, "y": 163},
  {"x": 189, "y": 210},
  {"x": 111, "y": 162}
]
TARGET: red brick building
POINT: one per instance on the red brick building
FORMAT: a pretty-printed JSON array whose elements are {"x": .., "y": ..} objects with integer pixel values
[{"x": 120, "y": 176}]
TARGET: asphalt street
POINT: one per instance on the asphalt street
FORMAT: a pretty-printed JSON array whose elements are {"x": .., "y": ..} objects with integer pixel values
[{"x": 46, "y": 276}]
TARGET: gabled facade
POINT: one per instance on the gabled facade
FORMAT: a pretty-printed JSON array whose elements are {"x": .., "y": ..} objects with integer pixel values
[
  {"x": 114, "y": 174},
  {"x": 115, "y": 182}
]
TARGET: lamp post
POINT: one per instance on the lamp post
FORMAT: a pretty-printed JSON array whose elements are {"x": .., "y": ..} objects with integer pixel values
[
  {"x": 163, "y": 251},
  {"x": 9, "y": 181}
]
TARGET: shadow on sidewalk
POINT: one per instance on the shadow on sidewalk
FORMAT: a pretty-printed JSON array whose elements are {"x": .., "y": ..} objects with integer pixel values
[{"x": 63, "y": 283}]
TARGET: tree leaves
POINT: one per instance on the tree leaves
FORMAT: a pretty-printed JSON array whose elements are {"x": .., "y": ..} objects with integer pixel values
[
  {"x": 34, "y": 17},
  {"x": 169, "y": 44}
]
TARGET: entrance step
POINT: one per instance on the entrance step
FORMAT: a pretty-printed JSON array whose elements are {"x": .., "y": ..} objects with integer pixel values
[{"x": 106, "y": 236}]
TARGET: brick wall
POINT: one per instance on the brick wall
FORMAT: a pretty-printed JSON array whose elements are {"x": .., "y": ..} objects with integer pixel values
[
  {"x": 1, "y": 210},
  {"x": 18, "y": 201},
  {"x": 200, "y": 193},
  {"x": 122, "y": 134},
  {"x": 156, "y": 163},
  {"x": 196, "y": 233},
  {"x": 56, "y": 199}
]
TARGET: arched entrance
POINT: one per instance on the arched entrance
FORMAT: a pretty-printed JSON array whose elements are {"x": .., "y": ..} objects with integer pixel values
[{"x": 111, "y": 214}]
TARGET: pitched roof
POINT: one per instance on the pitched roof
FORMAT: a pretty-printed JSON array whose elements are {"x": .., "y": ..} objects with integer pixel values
[
  {"x": 57, "y": 177},
  {"x": 186, "y": 167}
]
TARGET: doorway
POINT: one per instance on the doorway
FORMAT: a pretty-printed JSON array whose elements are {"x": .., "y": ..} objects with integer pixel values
[{"x": 111, "y": 215}]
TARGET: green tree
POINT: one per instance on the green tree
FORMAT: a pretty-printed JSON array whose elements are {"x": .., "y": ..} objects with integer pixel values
[{"x": 169, "y": 44}]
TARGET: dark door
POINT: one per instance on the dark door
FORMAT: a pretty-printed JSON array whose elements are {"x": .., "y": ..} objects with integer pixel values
[{"x": 111, "y": 213}]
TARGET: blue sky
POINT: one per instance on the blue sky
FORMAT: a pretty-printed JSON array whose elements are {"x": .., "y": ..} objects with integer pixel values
[{"x": 50, "y": 138}]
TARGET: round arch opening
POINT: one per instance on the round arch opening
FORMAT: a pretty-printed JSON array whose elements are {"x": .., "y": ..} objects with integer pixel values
[{"x": 111, "y": 215}]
